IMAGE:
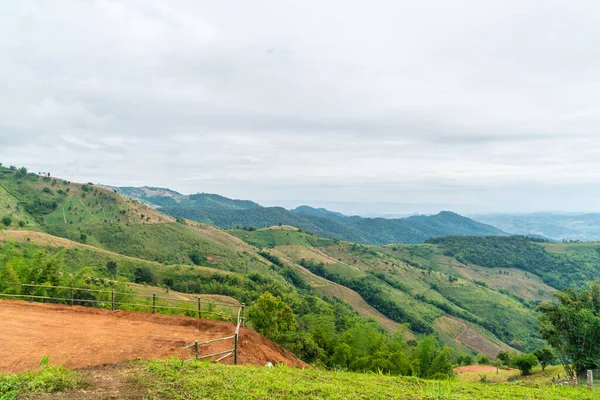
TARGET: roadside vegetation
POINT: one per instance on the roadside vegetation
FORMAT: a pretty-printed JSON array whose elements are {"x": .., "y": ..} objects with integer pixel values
[{"x": 47, "y": 379}]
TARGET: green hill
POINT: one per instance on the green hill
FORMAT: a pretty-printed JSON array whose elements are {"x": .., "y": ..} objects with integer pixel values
[
  {"x": 419, "y": 285},
  {"x": 559, "y": 265}
]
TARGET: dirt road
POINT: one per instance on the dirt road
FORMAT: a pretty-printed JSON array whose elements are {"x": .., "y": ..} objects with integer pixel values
[{"x": 80, "y": 337}]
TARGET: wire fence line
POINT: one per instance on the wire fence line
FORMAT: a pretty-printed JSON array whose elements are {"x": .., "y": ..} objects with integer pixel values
[{"x": 118, "y": 300}]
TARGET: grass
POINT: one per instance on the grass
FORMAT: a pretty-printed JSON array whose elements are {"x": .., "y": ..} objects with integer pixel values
[
  {"x": 46, "y": 380},
  {"x": 174, "y": 379},
  {"x": 179, "y": 379},
  {"x": 10, "y": 206},
  {"x": 538, "y": 377},
  {"x": 278, "y": 237},
  {"x": 314, "y": 254}
]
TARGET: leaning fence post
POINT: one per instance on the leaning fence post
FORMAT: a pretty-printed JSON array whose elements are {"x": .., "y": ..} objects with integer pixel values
[
  {"x": 243, "y": 314},
  {"x": 153, "y": 303},
  {"x": 112, "y": 298},
  {"x": 590, "y": 379},
  {"x": 235, "y": 348},
  {"x": 196, "y": 349},
  {"x": 199, "y": 308}
]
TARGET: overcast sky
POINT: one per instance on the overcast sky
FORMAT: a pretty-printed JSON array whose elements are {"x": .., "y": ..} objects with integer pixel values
[{"x": 469, "y": 105}]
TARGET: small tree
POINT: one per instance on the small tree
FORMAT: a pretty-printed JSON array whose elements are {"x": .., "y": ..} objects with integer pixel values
[
  {"x": 526, "y": 363},
  {"x": 6, "y": 220},
  {"x": 425, "y": 353},
  {"x": 21, "y": 172},
  {"x": 545, "y": 356},
  {"x": 468, "y": 360},
  {"x": 441, "y": 364},
  {"x": 271, "y": 317},
  {"x": 111, "y": 267},
  {"x": 143, "y": 275},
  {"x": 497, "y": 364}
]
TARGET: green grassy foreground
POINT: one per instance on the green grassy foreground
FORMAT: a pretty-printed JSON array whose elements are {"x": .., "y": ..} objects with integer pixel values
[
  {"x": 175, "y": 379},
  {"x": 178, "y": 379},
  {"x": 46, "y": 380}
]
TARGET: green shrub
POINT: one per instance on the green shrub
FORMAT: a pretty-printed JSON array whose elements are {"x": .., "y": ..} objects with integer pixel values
[
  {"x": 525, "y": 363},
  {"x": 7, "y": 220}
]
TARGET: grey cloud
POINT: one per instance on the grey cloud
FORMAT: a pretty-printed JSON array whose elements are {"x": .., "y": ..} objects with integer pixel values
[{"x": 287, "y": 100}]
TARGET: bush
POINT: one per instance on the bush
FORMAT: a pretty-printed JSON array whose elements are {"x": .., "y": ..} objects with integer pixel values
[
  {"x": 526, "y": 363},
  {"x": 143, "y": 275},
  {"x": 6, "y": 220},
  {"x": 197, "y": 257},
  {"x": 483, "y": 360},
  {"x": 270, "y": 316}
]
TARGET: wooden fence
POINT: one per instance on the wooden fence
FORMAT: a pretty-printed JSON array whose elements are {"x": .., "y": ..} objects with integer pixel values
[
  {"x": 224, "y": 354},
  {"x": 115, "y": 300}
]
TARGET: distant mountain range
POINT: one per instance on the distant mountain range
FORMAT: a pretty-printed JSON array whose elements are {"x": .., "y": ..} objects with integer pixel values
[
  {"x": 228, "y": 213},
  {"x": 583, "y": 227}
]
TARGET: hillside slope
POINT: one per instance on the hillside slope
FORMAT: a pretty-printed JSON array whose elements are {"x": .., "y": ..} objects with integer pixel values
[{"x": 419, "y": 285}]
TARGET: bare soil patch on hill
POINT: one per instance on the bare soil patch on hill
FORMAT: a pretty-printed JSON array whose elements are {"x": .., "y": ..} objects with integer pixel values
[
  {"x": 80, "y": 337},
  {"x": 475, "y": 368}
]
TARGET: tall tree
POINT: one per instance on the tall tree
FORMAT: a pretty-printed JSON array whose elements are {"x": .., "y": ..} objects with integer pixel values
[{"x": 572, "y": 327}]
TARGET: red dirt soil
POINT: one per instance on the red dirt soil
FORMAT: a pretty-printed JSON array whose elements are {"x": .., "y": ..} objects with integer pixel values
[
  {"x": 475, "y": 368},
  {"x": 81, "y": 337}
]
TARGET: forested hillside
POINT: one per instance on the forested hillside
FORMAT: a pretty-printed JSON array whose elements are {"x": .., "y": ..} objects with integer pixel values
[
  {"x": 559, "y": 265},
  {"x": 418, "y": 285},
  {"x": 227, "y": 213}
]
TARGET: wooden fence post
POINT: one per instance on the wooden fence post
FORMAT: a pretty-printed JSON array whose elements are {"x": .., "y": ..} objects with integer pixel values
[
  {"x": 71, "y": 297},
  {"x": 590, "y": 379},
  {"x": 153, "y": 303},
  {"x": 32, "y": 292},
  {"x": 112, "y": 299},
  {"x": 235, "y": 349},
  {"x": 199, "y": 308},
  {"x": 196, "y": 349},
  {"x": 243, "y": 314}
]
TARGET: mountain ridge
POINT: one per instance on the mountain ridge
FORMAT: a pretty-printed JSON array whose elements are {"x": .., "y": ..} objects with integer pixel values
[
  {"x": 228, "y": 213},
  {"x": 549, "y": 225}
]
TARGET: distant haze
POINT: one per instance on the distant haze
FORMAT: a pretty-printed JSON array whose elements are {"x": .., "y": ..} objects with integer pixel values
[{"x": 381, "y": 107}]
